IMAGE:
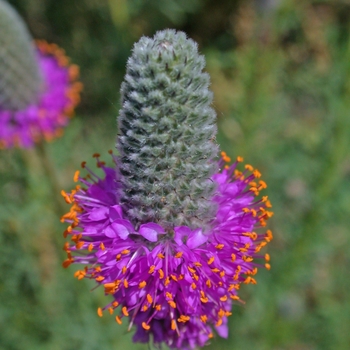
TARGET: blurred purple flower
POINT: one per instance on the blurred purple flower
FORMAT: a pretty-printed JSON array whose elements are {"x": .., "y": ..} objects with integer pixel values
[
  {"x": 45, "y": 118},
  {"x": 177, "y": 286}
]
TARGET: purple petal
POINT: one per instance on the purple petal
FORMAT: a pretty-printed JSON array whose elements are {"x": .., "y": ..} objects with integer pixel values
[
  {"x": 119, "y": 228},
  {"x": 155, "y": 227},
  {"x": 222, "y": 330},
  {"x": 98, "y": 214},
  {"x": 196, "y": 239},
  {"x": 150, "y": 231},
  {"x": 115, "y": 212},
  {"x": 180, "y": 233}
]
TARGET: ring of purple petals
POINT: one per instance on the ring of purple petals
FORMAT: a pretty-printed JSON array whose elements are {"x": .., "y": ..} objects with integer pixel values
[{"x": 177, "y": 286}]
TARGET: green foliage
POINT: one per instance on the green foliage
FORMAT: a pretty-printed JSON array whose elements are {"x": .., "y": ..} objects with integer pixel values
[
  {"x": 166, "y": 133},
  {"x": 20, "y": 80},
  {"x": 280, "y": 79}
]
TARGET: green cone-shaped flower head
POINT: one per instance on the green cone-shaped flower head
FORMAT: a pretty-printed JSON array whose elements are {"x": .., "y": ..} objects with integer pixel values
[
  {"x": 167, "y": 132},
  {"x": 20, "y": 80}
]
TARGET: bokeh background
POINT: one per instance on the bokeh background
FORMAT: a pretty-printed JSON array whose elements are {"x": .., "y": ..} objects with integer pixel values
[{"x": 280, "y": 74}]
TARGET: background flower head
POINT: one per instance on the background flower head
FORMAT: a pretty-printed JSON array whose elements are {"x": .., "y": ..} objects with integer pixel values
[{"x": 38, "y": 86}]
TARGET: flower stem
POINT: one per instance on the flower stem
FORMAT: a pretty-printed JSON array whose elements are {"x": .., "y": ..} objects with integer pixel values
[{"x": 50, "y": 173}]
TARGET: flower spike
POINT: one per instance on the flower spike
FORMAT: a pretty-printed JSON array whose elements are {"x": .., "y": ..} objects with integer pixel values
[{"x": 169, "y": 232}]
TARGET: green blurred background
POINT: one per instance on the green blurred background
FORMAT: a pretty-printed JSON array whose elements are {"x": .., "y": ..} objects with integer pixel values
[{"x": 280, "y": 74}]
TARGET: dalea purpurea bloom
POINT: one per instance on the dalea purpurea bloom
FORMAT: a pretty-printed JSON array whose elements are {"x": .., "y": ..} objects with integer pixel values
[
  {"x": 169, "y": 231},
  {"x": 38, "y": 86}
]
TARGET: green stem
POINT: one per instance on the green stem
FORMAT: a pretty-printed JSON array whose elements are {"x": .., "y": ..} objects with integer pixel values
[{"x": 51, "y": 177}]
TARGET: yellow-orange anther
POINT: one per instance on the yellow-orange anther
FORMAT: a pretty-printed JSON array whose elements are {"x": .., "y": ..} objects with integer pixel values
[
  {"x": 76, "y": 238},
  {"x": 262, "y": 184},
  {"x": 125, "y": 251},
  {"x": 223, "y": 298},
  {"x": 125, "y": 311},
  {"x": 142, "y": 284},
  {"x": 191, "y": 269},
  {"x": 102, "y": 246},
  {"x": 109, "y": 287},
  {"x": 99, "y": 312},
  {"x": 198, "y": 264},
  {"x": 160, "y": 256},
  {"x": 210, "y": 335},
  {"x": 124, "y": 269},
  {"x": 219, "y": 246},
  {"x": 267, "y": 266},
  {"x": 204, "y": 318},
  {"x": 233, "y": 257},
  {"x": 67, "y": 231},
  {"x": 239, "y": 159},
  {"x": 115, "y": 304},
  {"x": 219, "y": 322},
  {"x": 183, "y": 318},
  {"x": 262, "y": 222},
  {"x": 203, "y": 298},
  {"x": 249, "y": 167},
  {"x": 90, "y": 247},
  {"x": 118, "y": 320},
  {"x": 99, "y": 278},
  {"x": 80, "y": 274},
  {"x": 145, "y": 326},
  {"x": 268, "y": 236},
  {"x": 67, "y": 262},
  {"x": 247, "y": 258},
  {"x": 256, "y": 173},
  {"x": 173, "y": 325},
  {"x": 193, "y": 285},
  {"x": 151, "y": 269},
  {"x": 247, "y": 280},
  {"x": 76, "y": 176},
  {"x": 161, "y": 273},
  {"x": 211, "y": 260},
  {"x": 96, "y": 155},
  {"x": 111, "y": 310},
  {"x": 232, "y": 287},
  {"x": 208, "y": 283},
  {"x": 267, "y": 257},
  {"x": 126, "y": 284},
  {"x": 178, "y": 255},
  {"x": 79, "y": 245},
  {"x": 221, "y": 313},
  {"x": 149, "y": 298},
  {"x": 172, "y": 304}
]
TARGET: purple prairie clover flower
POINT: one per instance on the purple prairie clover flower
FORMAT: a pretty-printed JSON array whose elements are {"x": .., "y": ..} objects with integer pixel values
[
  {"x": 46, "y": 117},
  {"x": 177, "y": 285}
]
